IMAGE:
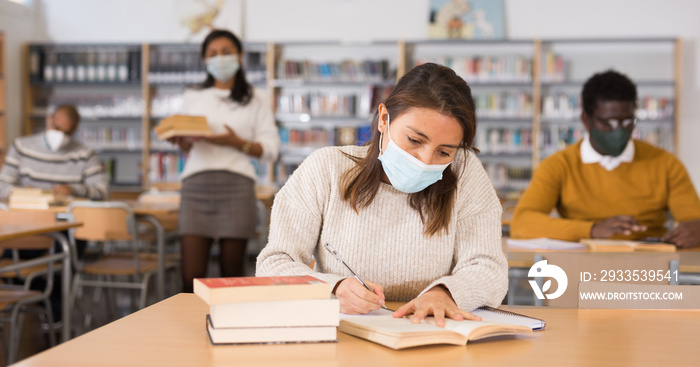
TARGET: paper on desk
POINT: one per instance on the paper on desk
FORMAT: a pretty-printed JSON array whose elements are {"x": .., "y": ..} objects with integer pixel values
[{"x": 545, "y": 244}]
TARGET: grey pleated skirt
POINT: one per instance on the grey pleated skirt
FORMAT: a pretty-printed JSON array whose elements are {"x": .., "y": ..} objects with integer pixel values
[{"x": 218, "y": 204}]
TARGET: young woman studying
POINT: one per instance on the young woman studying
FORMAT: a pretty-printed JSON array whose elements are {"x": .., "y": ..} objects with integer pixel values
[
  {"x": 412, "y": 212},
  {"x": 218, "y": 193}
]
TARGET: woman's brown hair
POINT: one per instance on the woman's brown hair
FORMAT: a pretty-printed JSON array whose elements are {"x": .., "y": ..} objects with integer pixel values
[{"x": 426, "y": 86}]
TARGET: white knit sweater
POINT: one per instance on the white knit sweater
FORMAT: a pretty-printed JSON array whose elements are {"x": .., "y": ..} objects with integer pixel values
[{"x": 385, "y": 243}]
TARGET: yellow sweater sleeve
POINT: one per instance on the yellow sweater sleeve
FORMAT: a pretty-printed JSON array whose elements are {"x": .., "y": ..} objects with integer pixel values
[
  {"x": 683, "y": 201},
  {"x": 531, "y": 218}
]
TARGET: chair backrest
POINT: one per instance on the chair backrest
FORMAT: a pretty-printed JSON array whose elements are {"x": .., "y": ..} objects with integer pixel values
[{"x": 103, "y": 221}]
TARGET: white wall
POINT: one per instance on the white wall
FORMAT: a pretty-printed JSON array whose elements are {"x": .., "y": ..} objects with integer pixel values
[{"x": 265, "y": 20}]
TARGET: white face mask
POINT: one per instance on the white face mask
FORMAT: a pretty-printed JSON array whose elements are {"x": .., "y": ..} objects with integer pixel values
[
  {"x": 55, "y": 139},
  {"x": 223, "y": 67}
]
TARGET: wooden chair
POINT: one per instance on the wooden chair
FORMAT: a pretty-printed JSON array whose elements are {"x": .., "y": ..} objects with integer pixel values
[
  {"x": 17, "y": 298},
  {"x": 110, "y": 224},
  {"x": 147, "y": 233}
]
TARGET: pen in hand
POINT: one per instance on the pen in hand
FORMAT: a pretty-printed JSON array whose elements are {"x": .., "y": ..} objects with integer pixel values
[{"x": 354, "y": 274}]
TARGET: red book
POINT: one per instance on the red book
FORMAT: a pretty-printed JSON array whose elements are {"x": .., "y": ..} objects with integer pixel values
[{"x": 257, "y": 289}]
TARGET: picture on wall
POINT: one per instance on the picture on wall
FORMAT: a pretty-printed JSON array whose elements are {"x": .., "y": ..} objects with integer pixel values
[
  {"x": 466, "y": 19},
  {"x": 198, "y": 17}
]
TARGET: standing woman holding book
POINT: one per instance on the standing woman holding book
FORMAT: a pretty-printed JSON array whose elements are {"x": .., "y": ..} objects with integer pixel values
[
  {"x": 412, "y": 212},
  {"x": 218, "y": 180}
]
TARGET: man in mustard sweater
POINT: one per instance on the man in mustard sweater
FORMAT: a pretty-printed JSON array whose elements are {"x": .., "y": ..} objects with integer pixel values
[{"x": 608, "y": 185}]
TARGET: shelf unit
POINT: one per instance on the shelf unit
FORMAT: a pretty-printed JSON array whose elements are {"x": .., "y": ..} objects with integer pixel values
[
  {"x": 3, "y": 100},
  {"x": 324, "y": 93}
]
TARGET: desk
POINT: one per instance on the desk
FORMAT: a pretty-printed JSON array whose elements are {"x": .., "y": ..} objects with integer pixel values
[
  {"x": 172, "y": 333},
  {"x": 150, "y": 212},
  {"x": 689, "y": 261},
  {"x": 10, "y": 231}
]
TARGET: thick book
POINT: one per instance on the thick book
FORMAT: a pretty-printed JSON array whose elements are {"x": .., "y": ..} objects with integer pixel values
[
  {"x": 182, "y": 125},
  {"x": 399, "y": 333},
  {"x": 298, "y": 312},
  {"x": 256, "y": 335},
  {"x": 34, "y": 198},
  {"x": 257, "y": 289},
  {"x": 606, "y": 245}
]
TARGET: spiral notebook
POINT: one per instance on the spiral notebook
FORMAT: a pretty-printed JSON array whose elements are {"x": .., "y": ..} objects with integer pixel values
[{"x": 508, "y": 317}]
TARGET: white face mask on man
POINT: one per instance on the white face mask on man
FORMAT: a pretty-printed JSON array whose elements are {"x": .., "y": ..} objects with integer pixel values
[{"x": 56, "y": 139}]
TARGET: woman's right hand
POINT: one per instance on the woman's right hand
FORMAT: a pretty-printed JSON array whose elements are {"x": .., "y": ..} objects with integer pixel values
[{"x": 355, "y": 299}]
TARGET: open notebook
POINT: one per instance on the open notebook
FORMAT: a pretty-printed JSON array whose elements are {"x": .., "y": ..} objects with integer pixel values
[{"x": 398, "y": 333}]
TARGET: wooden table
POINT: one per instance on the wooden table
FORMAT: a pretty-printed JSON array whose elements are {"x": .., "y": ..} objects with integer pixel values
[
  {"x": 147, "y": 211},
  {"x": 172, "y": 333},
  {"x": 14, "y": 230}
]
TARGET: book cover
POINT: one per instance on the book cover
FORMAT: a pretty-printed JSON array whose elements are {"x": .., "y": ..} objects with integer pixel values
[
  {"x": 251, "y": 289},
  {"x": 257, "y": 335},
  {"x": 299, "y": 312},
  {"x": 399, "y": 333}
]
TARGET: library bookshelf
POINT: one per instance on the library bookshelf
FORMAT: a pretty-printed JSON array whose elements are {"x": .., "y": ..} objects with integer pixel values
[
  {"x": 325, "y": 93},
  {"x": 3, "y": 100}
]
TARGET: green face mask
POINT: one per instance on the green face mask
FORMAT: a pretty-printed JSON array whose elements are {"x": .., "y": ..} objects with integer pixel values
[{"x": 612, "y": 142}]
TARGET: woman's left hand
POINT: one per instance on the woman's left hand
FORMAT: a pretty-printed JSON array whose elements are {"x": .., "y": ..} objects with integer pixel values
[
  {"x": 437, "y": 302},
  {"x": 228, "y": 138}
]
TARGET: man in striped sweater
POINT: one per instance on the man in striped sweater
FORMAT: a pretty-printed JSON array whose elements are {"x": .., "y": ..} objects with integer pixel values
[{"x": 53, "y": 160}]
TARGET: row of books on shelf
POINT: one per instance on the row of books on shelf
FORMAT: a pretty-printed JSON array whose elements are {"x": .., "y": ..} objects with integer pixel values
[
  {"x": 320, "y": 137},
  {"x": 568, "y": 106},
  {"x": 84, "y": 64},
  {"x": 166, "y": 167},
  {"x": 110, "y": 137},
  {"x": 486, "y": 68},
  {"x": 337, "y": 71},
  {"x": 506, "y": 177},
  {"x": 554, "y": 67},
  {"x": 319, "y": 103},
  {"x": 501, "y": 140},
  {"x": 504, "y": 105},
  {"x": 183, "y": 64},
  {"x": 91, "y": 105},
  {"x": 175, "y": 64}
]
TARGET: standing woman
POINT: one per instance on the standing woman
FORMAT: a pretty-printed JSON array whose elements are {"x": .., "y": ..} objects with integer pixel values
[{"x": 218, "y": 181}]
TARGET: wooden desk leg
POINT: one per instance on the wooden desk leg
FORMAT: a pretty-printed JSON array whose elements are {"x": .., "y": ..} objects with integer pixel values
[{"x": 160, "y": 249}]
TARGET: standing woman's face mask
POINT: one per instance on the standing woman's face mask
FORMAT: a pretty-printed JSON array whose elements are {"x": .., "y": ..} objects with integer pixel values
[{"x": 222, "y": 59}]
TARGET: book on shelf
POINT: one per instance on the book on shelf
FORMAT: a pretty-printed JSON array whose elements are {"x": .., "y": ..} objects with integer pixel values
[
  {"x": 399, "y": 333},
  {"x": 257, "y": 289},
  {"x": 34, "y": 198},
  {"x": 182, "y": 125},
  {"x": 289, "y": 313},
  {"x": 259, "y": 335},
  {"x": 610, "y": 245}
]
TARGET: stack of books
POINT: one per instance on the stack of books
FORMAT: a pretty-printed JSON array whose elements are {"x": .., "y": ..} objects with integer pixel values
[
  {"x": 288, "y": 309},
  {"x": 33, "y": 198},
  {"x": 182, "y": 125}
]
